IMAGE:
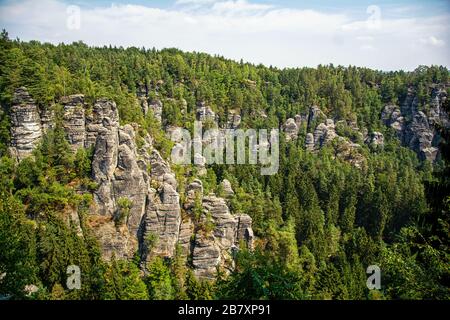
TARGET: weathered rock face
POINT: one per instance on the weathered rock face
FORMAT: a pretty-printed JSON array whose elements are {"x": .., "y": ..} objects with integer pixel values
[
  {"x": 26, "y": 130},
  {"x": 205, "y": 113},
  {"x": 415, "y": 127},
  {"x": 227, "y": 189},
  {"x": 103, "y": 126},
  {"x": 315, "y": 114},
  {"x": 74, "y": 120},
  {"x": 213, "y": 249},
  {"x": 136, "y": 204},
  {"x": 309, "y": 142},
  {"x": 157, "y": 108},
  {"x": 129, "y": 182},
  {"x": 162, "y": 218},
  {"x": 290, "y": 129},
  {"x": 324, "y": 133},
  {"x": 142, "y": 95},
  {"x": 205, "y": 256},
  {"x": 244, "y": 230},
  {"x": 47, "y": 119},
  {"x": 200, "y": 164}
]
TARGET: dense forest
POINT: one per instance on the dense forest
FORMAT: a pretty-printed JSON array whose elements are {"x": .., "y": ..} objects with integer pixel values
[{"x": 318, "y": 223}]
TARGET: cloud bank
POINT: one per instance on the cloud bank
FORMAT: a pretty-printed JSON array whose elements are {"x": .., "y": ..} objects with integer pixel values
[{"x": 258, "y": 33}]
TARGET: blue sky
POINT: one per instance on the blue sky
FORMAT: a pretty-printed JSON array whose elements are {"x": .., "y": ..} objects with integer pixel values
[{"x": 387, "y": 35}]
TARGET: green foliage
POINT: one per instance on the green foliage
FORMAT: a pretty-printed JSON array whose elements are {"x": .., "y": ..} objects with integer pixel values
[
  {"x": 123, "y": 282},
  {"x": 159, "y": 281},
  {"x": 258, "y": 277},
  {"x": 124, "y": 205},
  {"x": 18, "y": 266},
  {"x": 319, "y": 222}
]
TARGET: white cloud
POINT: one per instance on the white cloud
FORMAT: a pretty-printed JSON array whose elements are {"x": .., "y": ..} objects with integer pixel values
[
  {"x": 238, "y": 6},
  {"x": 433, "y": 41},
  {"x": 238, "y": 29},
  {"x": 184, "y": 2}
]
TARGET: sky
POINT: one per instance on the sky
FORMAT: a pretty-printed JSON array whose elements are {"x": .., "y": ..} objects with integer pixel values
[{"x": 379, "y": 34}]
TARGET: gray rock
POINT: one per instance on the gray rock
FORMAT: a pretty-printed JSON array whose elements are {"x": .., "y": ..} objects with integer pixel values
[
  {"x": 315, "y": 114},
  {"x": 153, "y": 224},
  {"x": 26, "y": 130},
  {"x": 324, "y": 133},
  {"x": 103, "y": 115},
  {"x": 206, "y": 256},
  {"x": 74, "y": 120},
  {"x": 47, "y": 119},
  {"x": 104, "y": 165},
  {"x": 413, "y": 126},
  {"x": 309, "y": 142},
  {"x": 129, "y": 183},
  {"x": 142, "y": 95},
  {"x": 244, "y": 231},
  {"x": 290, "y": 129},
  {"x": 193, "y": 190},
  {"x": 227, "y": 189},
  {"x": 157, "y": 108},
  {"x": 162, "y": 218},
  {"x": 185, "y": 236},
  {"x": 205, "y": 113},
  {"x": 200, "y": 164}
]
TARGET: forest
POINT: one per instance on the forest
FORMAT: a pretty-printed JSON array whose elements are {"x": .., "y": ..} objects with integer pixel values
[{"x": 318, "y": 223}]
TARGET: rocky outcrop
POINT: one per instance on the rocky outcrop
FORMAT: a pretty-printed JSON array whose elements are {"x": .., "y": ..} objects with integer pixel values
[
  {"x": 74, "y": 120},
  {"x": 137, "y": 207},
  {"x": 217, "y": 231},
  {"x": 244, "y": 231},
  {"x": 375, "y": 139},
  {"x": 315, "y": 115},
  {"x": 162, "y": 218},
  {"x": 206, "y": 256},
  {"x": 205, "y": 113},
  {"x": 227, "y": 189},
  {"x": 293, "y": 125},
  {"x": 414, "y": 124},
  {"x": 157, "y": 108},
  {"x": 324, "y": 134},
  {"x": 309, "y": 142},
  {"x": 26, "y": 131},
  {"x": 234, "y": 119},
  {"x": 103, "y": 128},
  {"x": 142, "y": 96},
  {"x": 290, "y": 129}
]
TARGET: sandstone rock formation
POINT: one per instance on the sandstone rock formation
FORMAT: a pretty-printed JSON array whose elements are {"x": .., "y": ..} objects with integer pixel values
[
  {"x": 234, "y": 119},
  {"x": 74, "y": 120},
  {"x": 213, "y": 249},
  {"x": 137, "y": 207},
  {"x": 290, "y": 129},
  {"x": 205, "y": 113},
  {"x": 414, "y": 125},
  {"x": 157, "y": 108},
  {"x": 26, "y": 130},
  {"x": 309, "y": 142},
  {"x": 227, "y": 189},
  {"x": 324, "y": 134}
]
